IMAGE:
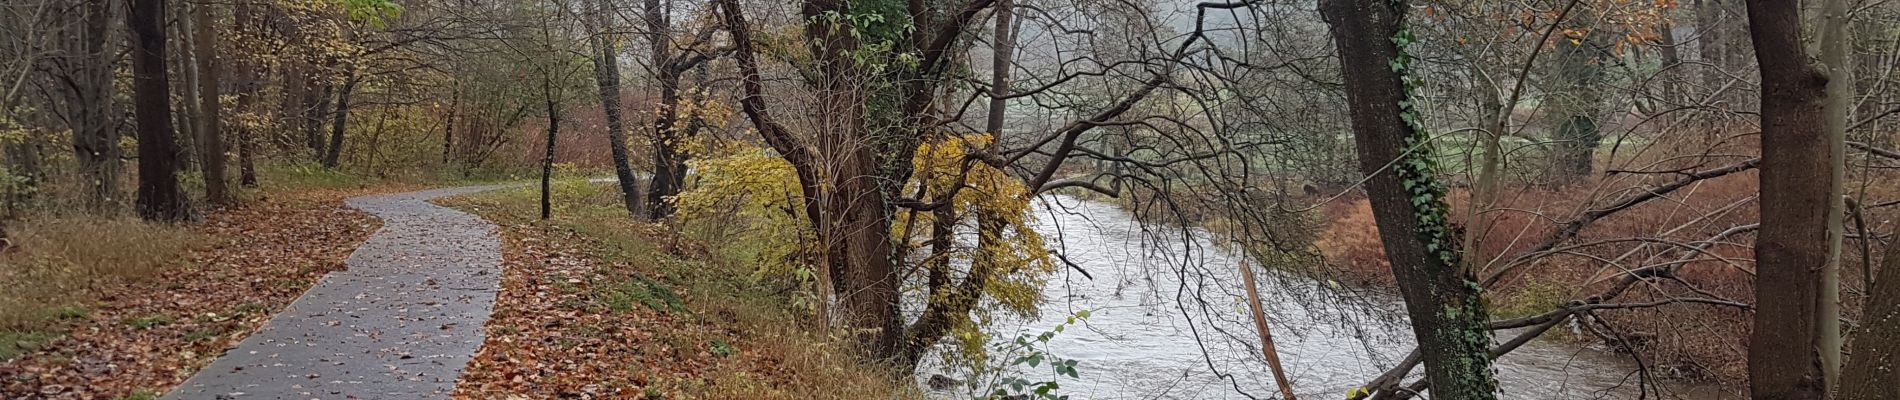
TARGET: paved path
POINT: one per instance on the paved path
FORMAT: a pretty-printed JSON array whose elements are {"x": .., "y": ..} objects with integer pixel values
[{"x": 399, "y": 323}]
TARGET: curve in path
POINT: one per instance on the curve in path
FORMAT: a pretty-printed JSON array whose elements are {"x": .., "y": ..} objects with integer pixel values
[{"x": 399, "y": 323}]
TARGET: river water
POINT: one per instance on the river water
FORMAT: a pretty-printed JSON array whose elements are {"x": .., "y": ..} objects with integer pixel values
[{"x": 1167, "y": 321}]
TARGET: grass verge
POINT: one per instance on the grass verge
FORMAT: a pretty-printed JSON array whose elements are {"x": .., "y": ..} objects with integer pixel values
[{"x": 596, "y": 304}]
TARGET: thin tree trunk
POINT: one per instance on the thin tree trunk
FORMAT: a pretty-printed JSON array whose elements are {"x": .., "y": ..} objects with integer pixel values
[
  {"x": 313, "y": 119},
  {"x": 95, "y": 142},
  {"x": 1441, "y": 297},
  {"x": 247, "y": 154},
  {"x": 1792, "y": 247},
  {"x": 1835, "y": 43},
  {"x": 669, "y": 161},
  {"x": 341, "y": 124},
  {"x": 1266, "y": 333},
  {"x": 158, "y": 195},
  {"x": 295, "y": 103},
  {"x": 999, "y": 70},
  {"x": 185, "y": 115},
  {"x": 448, "y": 127},
  {"x": 547, "y": 156},
  {"x": 243, "y": 16},
  {"x": 607, "y": 74},
  {"x": 210, "y": 140}
]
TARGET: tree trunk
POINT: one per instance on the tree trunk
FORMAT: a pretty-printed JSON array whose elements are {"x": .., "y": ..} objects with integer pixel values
[
  {"x": 210, "y": 140},
  {"x": 607, "y": 75},
  {"x": 185, "y": 114},
  {"x": 857, "y": 212},
  {"x": 448, "y": 127},
  {"x": 247, "y": 154},
  {"x": 1792, "y": 247},
  {"x": 295, "y": 103},
  {"x": 1578, "y": 102},
  {"x": 1875, "y": 367},
  {"x": 1835, "y": 49},
  {"x": 999, "y": 71},
  {"x": 547, "y": 156},
  {"x": 95, "y": 142},
  {"x": 669, "y": 161},
  {"x": 341, "y": 124},
  {"x": 158, "y": 195},
  {"x": 1709, "y": 45},
  {"x": 1442, "y": 298},
  {"x": 248, "y": 75},
  {"x": 319, "y": 107}
]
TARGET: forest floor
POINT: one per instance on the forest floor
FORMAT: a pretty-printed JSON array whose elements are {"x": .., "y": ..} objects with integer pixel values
[
  {"x": 598, "y": 305},
  {"x": 100, "y": 308}
]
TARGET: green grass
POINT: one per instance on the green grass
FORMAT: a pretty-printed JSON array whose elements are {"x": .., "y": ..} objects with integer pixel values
[
  {"x": 622, "y": 295},
  {"x": 723, "y": 349},
  {"x": 250, "y": 307},
  {"x": 140, "y": 394},
  {"x": 12, "y": 343},
  {"x": 306, "y": 175},
  {"x": 204, "y": 334},
  {"x": 1532, "y": 298},
  {"x": 150, "y": 321}
]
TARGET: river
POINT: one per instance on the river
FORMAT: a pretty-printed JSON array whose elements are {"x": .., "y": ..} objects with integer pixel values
[{"x": 1169, "y": 323}]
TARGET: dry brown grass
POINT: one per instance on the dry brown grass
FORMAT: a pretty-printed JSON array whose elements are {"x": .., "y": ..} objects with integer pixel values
[
  {"x": 60, "y": 262},
  {"x": 1689, "y": 341}
]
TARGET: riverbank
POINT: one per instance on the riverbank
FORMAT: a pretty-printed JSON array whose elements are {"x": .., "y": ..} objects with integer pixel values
[
  {"x": 1166, "y": 320},
  {"x": 1337, "y": 242},
  {"x": 596, "y": 304}
]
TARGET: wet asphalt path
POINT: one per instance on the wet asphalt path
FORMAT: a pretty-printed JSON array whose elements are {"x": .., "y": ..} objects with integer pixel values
[{"x": 400, "y": 323}]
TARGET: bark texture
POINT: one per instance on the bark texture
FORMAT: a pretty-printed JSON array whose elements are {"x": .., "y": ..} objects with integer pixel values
[
  {"x": 341, "y": 124},
  {"x": 669, "y": 160},
  {"x": 159, "y": 198},
  {"x": 547, "y": 155},
  {"x": 1874, "y": 370},
  {"x": 210, "y": 126},
  {"x": 1783, "y": 357}
]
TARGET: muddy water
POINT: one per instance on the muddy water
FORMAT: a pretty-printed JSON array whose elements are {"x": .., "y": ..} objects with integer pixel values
[{"x": 1166, "y": 322}]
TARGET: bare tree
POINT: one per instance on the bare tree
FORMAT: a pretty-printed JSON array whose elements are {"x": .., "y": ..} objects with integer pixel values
[
  {"x": 607, "y": 75},
  {"x": 95, "y": 142}
]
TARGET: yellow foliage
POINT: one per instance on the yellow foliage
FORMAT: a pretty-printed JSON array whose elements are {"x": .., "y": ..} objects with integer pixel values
[
  {"x": 751, "y": 189},
  {"x": 999, "y": 206}
]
